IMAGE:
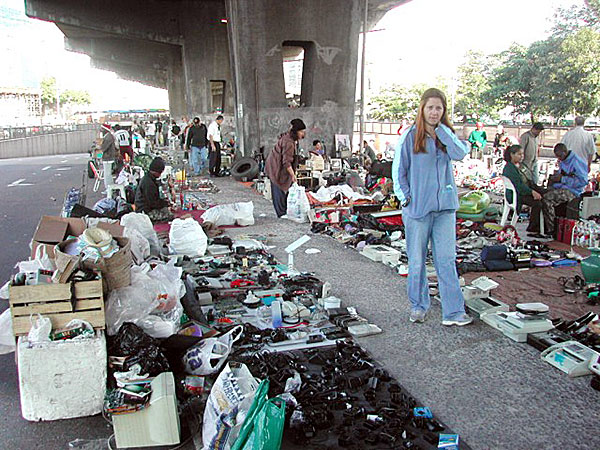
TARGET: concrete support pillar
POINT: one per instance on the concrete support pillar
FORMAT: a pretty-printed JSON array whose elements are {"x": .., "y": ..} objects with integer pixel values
[
  {"x": 329, "y": 67},
  {"x": 176, "y": 86},
  {"x": 205, "y": 57}
]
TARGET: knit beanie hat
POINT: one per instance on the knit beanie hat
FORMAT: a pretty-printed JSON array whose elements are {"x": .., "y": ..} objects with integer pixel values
[
  {"x": 297, "y": 125},
  {"x": 157, "y": 165}
]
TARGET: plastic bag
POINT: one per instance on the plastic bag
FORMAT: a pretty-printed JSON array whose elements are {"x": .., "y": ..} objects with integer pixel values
[
  {"x": 41, "y": 327},
  {"x": 40, "y": 261},
  {"x": 143, "y": 224},
  {"x": 151, "y": 301},
  {"x": 268, "y": 423},
  {"x": 241, "y": 214},
  {"x": 187, "y": 238},
  {"x": 140, "y": 247},
  {"x": 141, "y": 348},
  {"x": 228, "y": 404},
  {"x": 297, "y": 204},
  {"x": 207, "y": 357},
  {"x": 7, "y": 340}
]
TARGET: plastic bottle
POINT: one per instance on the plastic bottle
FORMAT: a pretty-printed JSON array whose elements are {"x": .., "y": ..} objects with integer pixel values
[{"x": 276, "y": 314}]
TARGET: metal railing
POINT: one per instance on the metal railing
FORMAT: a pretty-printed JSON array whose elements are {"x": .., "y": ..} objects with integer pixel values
[{"x": 39, "y": 130}]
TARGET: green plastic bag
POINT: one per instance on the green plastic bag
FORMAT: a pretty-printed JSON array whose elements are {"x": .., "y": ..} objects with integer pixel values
[
  {"x": 474, "y": 202},
  {"x": 263, "y": 426},
  {"x": 260, "y": 397},
  {"x": 268, "y": 426}
]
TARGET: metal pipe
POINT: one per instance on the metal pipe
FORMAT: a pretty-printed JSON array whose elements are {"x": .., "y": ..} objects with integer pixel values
[{"x": 362, "y": 77}]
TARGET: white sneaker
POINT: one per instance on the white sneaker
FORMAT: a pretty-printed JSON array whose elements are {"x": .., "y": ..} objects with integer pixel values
[{"x": 460, "y": 321}]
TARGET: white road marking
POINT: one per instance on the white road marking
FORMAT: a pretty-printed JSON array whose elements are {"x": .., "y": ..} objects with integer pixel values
[
  {"x": 46, "y": 168},
  {"x": 64, "y": 161},
  {"x": 63, "y": 168},
  {"x": 19, "y": 182}
]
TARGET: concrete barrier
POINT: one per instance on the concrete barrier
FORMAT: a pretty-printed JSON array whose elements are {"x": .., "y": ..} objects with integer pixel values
[{"x": 48, "y": 144}]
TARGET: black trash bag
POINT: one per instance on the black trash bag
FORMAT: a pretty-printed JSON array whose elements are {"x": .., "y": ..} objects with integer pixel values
[{"x": 140, "y": 348}]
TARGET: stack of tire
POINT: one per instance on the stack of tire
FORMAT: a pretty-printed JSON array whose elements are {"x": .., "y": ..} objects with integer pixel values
[{"x": 245, "y": 169}]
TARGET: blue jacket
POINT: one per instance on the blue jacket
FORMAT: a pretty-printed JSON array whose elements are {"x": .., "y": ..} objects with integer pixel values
[
  {"x": 573, "y": 164},
  {"x": 427, "y": 178}
]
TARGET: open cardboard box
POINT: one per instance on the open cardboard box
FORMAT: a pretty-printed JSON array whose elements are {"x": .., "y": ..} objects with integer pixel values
[{"x": 51, "y": 230}]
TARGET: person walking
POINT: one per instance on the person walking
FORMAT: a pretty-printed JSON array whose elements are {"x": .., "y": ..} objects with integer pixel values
[
  {"x": 424, "y": 182},
  {"x": 124, "y": 141},
  {"x": 281, "y": 165},
  {"x": 196, "y": 141},
  {"x": 580, "y": 142},
  {"x": 214, "y": 136}
]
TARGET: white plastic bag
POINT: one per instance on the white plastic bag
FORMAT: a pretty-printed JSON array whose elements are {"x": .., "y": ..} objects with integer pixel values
[
  {"x": 41, "y": 327},
  {"x": 41, "y": 261},
  {"x": 151, "y": 301},
  {"x": 208, "y": 355},
  {"x": 297, "y": 204},
  {"x": 227, "y": 406},
  {"x": 7, "y": 340},
  {"x": 140, "y": 246},
  {"x": 187, "y": 238},
  {"x": 143, "y": 224},
  {"x": 241, "y": 214}
]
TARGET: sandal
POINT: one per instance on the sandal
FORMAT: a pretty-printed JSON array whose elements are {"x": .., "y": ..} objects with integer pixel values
[{"x": 572, "y": 285}]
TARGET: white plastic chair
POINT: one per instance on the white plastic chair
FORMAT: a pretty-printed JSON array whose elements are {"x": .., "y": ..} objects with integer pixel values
[
  {"x": 98, "y": 175},
  {"x": 509, "y": 206},
  {"x": 116, "y": 187}
]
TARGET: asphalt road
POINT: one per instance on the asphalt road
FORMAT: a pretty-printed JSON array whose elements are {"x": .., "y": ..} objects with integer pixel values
[{"x": 30, "y": 188}]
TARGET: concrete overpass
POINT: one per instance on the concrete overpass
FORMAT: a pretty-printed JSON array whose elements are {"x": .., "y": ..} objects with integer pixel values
[{"x": 226, "y": 56}]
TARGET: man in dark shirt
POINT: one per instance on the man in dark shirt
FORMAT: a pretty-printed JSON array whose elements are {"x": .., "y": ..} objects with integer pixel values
[
  {"x": 197, "y": 141},
  {"x": 147, "y": 195}
]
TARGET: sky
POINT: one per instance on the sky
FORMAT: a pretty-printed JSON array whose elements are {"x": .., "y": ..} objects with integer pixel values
[
  {"x": 425, "y": 39},
  {"x": 419, "y": 42}
]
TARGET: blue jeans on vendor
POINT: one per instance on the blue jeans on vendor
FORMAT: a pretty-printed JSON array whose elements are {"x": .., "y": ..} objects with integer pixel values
[
  {"x": 199, "y": 159},
  {"x": 440, "y": 228}
]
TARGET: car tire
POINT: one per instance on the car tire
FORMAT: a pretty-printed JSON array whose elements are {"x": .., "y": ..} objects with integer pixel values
[{"x": 244, "y": 168}]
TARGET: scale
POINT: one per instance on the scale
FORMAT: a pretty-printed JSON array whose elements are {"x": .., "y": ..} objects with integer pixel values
[
  {"x": 516, "y": 325},
  {"x": 572, "y": 357},
  {"x": 595, "y": 364},
  {"x": 542, "y": 341},
  {"x": 477, "y": 297}
]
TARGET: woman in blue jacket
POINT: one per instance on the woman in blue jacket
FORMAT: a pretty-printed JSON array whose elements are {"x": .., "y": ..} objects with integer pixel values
[{"x": 424, "y": 183}]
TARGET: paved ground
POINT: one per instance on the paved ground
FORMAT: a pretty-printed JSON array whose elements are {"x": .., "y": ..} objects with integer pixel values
[{"x": 495, "y": 393}]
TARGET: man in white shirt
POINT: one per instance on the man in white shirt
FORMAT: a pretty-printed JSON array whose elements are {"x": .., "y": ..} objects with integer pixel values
[
  {"x": 214, "y": 137},
  {"x": 580, "y": 142},
  {"x": 124, "y": 142}
]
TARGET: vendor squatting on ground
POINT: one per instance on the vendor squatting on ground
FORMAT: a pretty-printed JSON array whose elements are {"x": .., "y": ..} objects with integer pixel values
[{"x": 424, "y": 181}]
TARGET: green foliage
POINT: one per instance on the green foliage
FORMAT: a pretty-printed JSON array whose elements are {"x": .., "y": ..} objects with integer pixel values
[
  {"x": 75, "y": 97},
  {"x": 48, "y": 87},
  {"x": 473, "y": 83}
]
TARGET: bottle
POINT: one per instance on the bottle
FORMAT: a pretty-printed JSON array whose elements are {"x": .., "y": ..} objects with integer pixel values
[{"x": 276, "y": 314}]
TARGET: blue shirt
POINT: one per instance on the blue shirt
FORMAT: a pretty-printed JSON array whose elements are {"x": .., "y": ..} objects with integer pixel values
[
  {"x": 427, "y": 178},
  {"x": 579, "y": 168}
]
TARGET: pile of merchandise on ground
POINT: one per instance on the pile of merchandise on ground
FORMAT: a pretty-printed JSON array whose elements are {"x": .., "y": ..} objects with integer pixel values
[{"x": 211, "y": 330}]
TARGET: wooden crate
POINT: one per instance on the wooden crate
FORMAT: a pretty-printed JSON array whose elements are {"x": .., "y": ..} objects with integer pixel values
[{"x": 54, "y": 301}]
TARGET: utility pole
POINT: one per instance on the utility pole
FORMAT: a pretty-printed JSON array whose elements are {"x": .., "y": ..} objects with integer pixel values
[{"x": 362, "y": 76}]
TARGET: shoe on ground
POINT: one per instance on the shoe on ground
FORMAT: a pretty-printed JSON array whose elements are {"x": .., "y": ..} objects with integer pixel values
[
  {"x": 459, "y": 321},
  {"x": 417, "y": 316}
]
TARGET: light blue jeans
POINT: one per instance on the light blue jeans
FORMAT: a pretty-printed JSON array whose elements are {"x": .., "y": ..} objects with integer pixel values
[
  {"x": 440, "y": 228},
  {"x": 199, "y": 159}
]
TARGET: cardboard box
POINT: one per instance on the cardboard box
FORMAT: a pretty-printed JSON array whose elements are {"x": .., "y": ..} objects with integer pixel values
[{"x": 51, "y": 230}]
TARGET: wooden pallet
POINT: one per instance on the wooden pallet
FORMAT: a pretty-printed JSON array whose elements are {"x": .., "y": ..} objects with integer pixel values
[{"x": 54, "y": 301}]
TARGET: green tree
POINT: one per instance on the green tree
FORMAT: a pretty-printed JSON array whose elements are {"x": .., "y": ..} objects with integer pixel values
[
  {"x": 75, "y": 97},
  {"x": 514, "y": 80},
  {"x": 48, "y": 88},
  {"x": 473, "y": 82}
]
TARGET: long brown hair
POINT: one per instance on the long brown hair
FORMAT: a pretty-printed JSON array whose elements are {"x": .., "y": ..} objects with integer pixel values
[{"x": 420, "y": 134}]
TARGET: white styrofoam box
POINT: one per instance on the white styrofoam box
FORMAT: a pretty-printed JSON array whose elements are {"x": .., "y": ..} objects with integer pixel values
[
  {"x": 589, "y": 206},
  {"x": 62, "y": 379}
]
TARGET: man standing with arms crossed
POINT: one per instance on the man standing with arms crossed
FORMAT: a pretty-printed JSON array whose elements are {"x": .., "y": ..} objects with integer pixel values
[
  {"x": 529, "y": 143},
  {"x": 580, "y": 142},
  {"x": 214, "y": 136}
]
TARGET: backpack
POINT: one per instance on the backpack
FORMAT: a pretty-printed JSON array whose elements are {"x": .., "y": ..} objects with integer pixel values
[{"x": 175, "y": 130}]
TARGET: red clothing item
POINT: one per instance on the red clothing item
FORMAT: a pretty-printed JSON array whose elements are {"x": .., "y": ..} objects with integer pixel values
[{"x": 281, "y": 157}]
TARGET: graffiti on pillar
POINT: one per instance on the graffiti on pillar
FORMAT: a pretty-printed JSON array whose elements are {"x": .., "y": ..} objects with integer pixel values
[
  {"x": 274, "y": 50},
  {"x": 327, "y": 54}
]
